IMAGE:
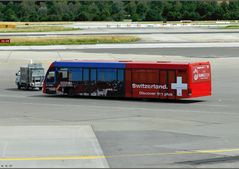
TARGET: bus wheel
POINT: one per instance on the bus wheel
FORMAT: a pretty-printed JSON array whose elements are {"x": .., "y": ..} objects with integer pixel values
[{"x": 70, "y": 92}]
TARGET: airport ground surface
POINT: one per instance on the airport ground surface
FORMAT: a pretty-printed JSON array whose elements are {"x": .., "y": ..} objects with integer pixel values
[
  {"x": 143, "y": 133},
  {"x": 38, "y": 130},
  {"x": 152, "y": 35}
]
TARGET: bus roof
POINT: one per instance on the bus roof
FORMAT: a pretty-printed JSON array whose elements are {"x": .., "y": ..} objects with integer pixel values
[
  {"x": 91, "y": 64},
  {"x": 121, "y": 64}
]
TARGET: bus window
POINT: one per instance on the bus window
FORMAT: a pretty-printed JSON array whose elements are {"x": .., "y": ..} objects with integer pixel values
[
  {"x": 120, "y": 75},
  {"x": 50, "y": 76},
  {"x": 106, "y": 74},
  {"x": 93, "y": 74},
  {"x": 146, "y": 76},
  {"x": 76, "y": 74},
  {"x": 63, "y": 74},
  {"x": 85, "y": 74}
]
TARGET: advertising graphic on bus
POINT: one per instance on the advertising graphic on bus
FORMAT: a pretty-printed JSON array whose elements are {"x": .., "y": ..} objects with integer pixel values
[{"x": 162, "y": 80}]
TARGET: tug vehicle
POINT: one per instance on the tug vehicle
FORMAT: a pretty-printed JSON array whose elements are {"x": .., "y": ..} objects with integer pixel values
[{"x": 30, "y": 77}]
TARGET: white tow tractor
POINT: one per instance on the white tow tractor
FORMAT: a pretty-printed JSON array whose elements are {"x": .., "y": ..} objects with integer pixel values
[{"x": 30, "y": 77}]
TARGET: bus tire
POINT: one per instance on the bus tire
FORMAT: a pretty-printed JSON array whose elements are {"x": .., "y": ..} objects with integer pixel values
[{"x": 70, "y": 92}]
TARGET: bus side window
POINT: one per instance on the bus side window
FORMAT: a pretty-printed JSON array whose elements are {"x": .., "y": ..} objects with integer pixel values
[
  {"x": 107, "y": 75},
  {"x": 76, "y": 74},
  {"x": 120, "y": 75},
  {"x": 93, "y": 75},
  {"x": 86, "y": 74}
]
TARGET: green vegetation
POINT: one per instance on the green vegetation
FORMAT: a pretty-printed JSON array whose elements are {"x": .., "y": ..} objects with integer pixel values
[
  {"x": 36, "y": 29},
  {"x": 232, "y": 27},
  {"x": 69, "y": 40},
  {"x": 117, "y": 10}
]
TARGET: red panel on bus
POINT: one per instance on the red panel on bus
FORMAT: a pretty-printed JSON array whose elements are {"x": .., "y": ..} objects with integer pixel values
[
  {"x": 128, "y": 82},
  {"x": 162, "y": 81},
  {"x": 200, "y": 79},
  {"x": 168, "y": 80},
  {"x": 146, "y": 79}
]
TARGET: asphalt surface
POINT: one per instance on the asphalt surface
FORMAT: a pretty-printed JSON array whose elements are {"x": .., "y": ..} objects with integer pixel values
[
  {"x": 201, "y": 132},
  {"x": 123, "y": 32},
  {"x": 199, "y": 52},
  {"x": 189, "y": 52},
  {"x": 38, "y": 130},
  {"x": 35, "y": 146}
]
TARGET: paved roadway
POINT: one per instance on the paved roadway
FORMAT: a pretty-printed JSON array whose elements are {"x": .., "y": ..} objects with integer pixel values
[
  {"x": 34, "y": 146},
  {"x": 201, "y": 52},
  {"x": 120, "y": 32},
  {"x": 200, "y": 132},
  {"x": 190, "y": 50},
  {"x": 152, "y": 35}
]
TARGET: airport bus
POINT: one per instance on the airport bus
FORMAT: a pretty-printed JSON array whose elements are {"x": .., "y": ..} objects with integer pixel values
[{"x": 131, "y": 79}]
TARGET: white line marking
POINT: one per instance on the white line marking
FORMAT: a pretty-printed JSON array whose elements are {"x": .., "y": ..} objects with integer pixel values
[{"x": 118, "y": 46}]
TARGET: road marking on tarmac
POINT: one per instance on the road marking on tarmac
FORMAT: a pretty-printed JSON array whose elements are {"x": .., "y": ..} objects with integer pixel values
[
  {"x": 51, "y": 158},
  {"x": 100, "y": 106},
  {"x": 115, "y": 156},
  {"x": 119, "y": 46}
]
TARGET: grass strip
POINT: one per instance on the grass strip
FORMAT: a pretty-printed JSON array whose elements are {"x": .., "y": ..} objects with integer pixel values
[
  {"x": 69, "y": 40},
  {"x": 232, "y": 27},
  {"x": 36, "y": 29}
]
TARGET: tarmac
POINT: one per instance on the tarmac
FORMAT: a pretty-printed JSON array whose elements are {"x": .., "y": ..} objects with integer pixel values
[
  {"x": 38, "y": 130},
  {"x": 50, "y": 147}
]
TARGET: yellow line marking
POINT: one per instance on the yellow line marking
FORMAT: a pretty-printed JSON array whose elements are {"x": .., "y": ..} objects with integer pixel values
[
  {"x": 51, "y": 158},
  {"x": 218, "y": 151},
  {"x": 114, "y": 156}
]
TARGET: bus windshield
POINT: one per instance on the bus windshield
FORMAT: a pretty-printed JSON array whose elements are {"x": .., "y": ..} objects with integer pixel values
[{"x": 50, "y": 76}]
